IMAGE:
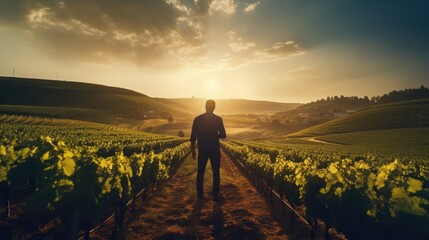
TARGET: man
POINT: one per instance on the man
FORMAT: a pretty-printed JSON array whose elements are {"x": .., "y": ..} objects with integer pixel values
[{"x": 207, "y": 129}]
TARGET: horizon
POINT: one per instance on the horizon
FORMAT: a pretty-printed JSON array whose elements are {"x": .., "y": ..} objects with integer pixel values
[
  {"x": 277, "y": 51},
  {"x": 205, "y": 98}
]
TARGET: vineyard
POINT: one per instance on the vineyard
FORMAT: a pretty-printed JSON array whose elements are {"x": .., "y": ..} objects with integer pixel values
[
  {"x": 82, "y": 114},
  {"x": 80, "y": 174},
  {"x": 368, "y": 197},
  {"x": 407, "y": 114},
  {"x": 361, "y": 186},
  {"x": 214, "y": 120},
  {"x": 408, "y": 144},
  {"x": 48, "y": 121}
]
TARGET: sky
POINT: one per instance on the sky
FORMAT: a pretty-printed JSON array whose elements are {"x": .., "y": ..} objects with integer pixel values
[{"x": 276, "y": 50}]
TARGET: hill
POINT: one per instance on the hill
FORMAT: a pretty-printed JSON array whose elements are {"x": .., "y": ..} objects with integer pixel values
[
  {"x": 114, "y": 101},
  {"x": 112, "y": 105},
  {"x": 84, "y": 114},
  {"x": 237, "y": 106},
  {"x": 407, "y": 114},
  {"x": 323, "y": 110},
  {"x": 47, "y": 121}
]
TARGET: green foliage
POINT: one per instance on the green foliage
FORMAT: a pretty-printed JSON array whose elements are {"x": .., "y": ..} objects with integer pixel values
[
  {"x": 365, "y": 198},
  {"x": 95, "y": 168}
]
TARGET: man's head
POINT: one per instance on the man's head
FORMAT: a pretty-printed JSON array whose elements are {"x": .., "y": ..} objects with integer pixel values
[{"x": 210, "y": 106}]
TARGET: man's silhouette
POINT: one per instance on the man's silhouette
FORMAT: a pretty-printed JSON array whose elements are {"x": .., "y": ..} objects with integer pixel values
[{"x": 206, "y": 130}]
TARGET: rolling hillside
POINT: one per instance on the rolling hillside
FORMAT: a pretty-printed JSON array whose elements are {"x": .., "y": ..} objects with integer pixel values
[
  {"x": 84, "y": 114},
  {"x": 110, "y": 105},
  {"x": 237, "y": 106},
  {"x": 63, "y": 94},
  {"x": 407, "y": 114}
]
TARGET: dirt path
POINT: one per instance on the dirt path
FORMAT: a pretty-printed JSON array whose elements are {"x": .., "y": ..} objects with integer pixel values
[
  {"x": 313, "y": 139},
  {"x": 174, "y": 213}
]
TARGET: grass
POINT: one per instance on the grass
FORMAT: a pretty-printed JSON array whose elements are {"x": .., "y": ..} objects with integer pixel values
[{"x": 409, "y": 114}]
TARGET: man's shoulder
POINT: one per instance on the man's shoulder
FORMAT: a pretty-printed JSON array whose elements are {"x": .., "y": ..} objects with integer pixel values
[
  {"x": 207, "y": 116},
  {"x": 199, "y": 116},
  {"x": 213, "y": 116},
  {"x": 218, "y": 117}
]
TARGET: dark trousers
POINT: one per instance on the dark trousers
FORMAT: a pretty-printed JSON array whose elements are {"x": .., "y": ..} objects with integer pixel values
[{"x": 202, "y": 163}]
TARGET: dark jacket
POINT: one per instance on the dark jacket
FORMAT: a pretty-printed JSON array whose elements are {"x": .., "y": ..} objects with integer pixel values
[{"x": 207, "y": 128}]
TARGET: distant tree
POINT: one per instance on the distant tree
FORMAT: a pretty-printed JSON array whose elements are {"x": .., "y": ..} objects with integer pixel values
[
  {"x": 170, "y": 119},
  {"x": 181, "y": 134},
  {"x": 404, "y": 95},
  {"x": 375, "y": 99}
]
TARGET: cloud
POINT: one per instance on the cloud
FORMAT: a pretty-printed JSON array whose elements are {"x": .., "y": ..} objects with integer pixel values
[
  {"x": 252, "y": 6},
  {"x": 279, "y": 50},
  {"x": 145, "y": 33},
  {"x": 237, "y": 44},
  {"x": 243, "y": 52},
  {"x": 225, "y": 6}
]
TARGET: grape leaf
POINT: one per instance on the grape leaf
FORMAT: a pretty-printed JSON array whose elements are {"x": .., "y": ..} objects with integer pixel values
[
  {"x": 2, "y": 150},
  {"x": 68, "y": 165},
  {"x": 3, "y": 173}
]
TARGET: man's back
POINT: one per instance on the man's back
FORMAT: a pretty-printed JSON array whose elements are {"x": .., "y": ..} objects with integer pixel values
[{"x": 207, "y": 129}]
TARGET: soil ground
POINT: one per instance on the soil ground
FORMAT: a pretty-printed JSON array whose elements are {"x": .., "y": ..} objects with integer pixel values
[{"x": 173, "y": 212}]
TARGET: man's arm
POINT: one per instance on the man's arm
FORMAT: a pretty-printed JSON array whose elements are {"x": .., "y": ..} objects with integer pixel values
[
  {"x": 193, "y": 139},
  {"x": 194, "y": 154},
  {"x": 222, "y": 133}
]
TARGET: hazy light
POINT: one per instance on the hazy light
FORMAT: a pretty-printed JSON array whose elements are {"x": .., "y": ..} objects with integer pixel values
[
  {"x": 220, "y": 50},
  {"x": 212, "y": 89}
]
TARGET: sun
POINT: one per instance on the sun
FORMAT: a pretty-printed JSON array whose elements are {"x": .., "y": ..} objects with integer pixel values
[
  {"x": 212, "y": 85},
  {"x": 212, "y": 89}
]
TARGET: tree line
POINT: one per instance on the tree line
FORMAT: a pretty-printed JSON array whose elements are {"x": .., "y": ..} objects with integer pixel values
[{"x": 393, "y": 96}]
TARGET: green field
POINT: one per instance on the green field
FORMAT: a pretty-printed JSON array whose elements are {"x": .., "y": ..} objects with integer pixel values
[
  {"x": 408, "y": 114},
  {"x": 408, "y": 137},
  {"x": 49, "y": 121},
  {"x": 407, "y": 144},
  {"x": 82, "y": 114}
]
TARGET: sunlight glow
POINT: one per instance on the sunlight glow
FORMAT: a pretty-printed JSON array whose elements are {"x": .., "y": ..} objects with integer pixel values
[{"x": 212, "y": 89}]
